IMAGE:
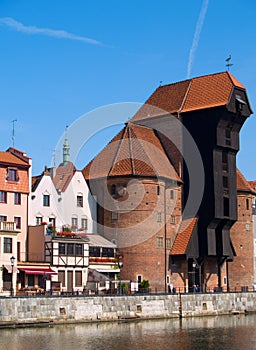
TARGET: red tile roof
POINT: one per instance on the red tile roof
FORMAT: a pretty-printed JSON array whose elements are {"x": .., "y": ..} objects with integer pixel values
[
  {"x": 63, "y": 176},
  {"x": 9, "y": 159},
  {"x": 183, "y": 236},
  {"x": 136, "y": 150},
  {"x": 17, "y": 159},
  {"x": 242, "y": 184},
  {"x": 253, "y": 184},
  {"x": 213, "y": 90}
]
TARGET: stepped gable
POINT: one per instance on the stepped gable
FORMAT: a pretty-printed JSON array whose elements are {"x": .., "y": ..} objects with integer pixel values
[
  {"x": 183, "y": 236},
  {"x": 134, "y": 151},
  {"x": 242, "y": 184},
  {"x": 213, "y": 90},
  {"x": 63, "y": 176}
]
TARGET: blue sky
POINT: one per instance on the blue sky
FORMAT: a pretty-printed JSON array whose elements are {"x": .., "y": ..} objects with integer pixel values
[{"x": 62, "y": 59}]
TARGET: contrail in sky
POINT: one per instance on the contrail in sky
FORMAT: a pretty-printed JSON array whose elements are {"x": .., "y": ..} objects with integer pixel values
[
  {"x": 60, "y": 34},
  {"x": 197, "y": 33}
]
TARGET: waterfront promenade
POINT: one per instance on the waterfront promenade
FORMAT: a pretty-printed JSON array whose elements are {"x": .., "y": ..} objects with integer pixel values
[{"x": 43, "y": 310}]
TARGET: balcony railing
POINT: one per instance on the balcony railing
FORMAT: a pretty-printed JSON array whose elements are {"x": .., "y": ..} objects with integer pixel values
[
  {"x": 7, "y": 226},
  {"x": 102, "y": 260}
]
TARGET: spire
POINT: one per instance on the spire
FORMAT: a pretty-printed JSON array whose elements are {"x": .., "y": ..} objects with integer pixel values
[{"x": 66, "y": 148}]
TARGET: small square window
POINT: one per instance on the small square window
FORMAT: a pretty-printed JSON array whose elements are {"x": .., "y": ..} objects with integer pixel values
[
  {"x": 39, "y": 220},
  {"x": 159, "y": 242},
  {"x": 12, "y": 175},
  {"x": 79, "y": 249},
  {"x": 46, "y": 200},
  {"x": 17, "y": 198},
  {"x": 17, "y": 220},
  {"x": 79, "y": 201},
  {"x": 114, "y": 215},
  {"x": 3, "y": 197},
  {"x": 84, "y": 223},
  {"x": 70, "y": 249},
  {"x": 168, "y": 243},
  {"x": 7, "y": 245}
]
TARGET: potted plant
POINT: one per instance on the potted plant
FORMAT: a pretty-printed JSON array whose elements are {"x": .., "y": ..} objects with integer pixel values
[{"x": 144, "y": 286}]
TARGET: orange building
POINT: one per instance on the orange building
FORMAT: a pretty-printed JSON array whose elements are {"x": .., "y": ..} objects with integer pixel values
[{"x": 14, "y": 192}]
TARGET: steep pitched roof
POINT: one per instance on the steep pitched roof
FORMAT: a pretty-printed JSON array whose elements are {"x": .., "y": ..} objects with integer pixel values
[
  {"x": 8, "y": 158},
  {"x": 63, "y": 176},
  {"x": 183, "y": 236},
  {"x": 253, "y": 184},
  {"x": 242, "y": 184},
  {"x": 136, "y": 150},
  {"x": 213, "y": 90},
  {"x": 37, "y": 179}
]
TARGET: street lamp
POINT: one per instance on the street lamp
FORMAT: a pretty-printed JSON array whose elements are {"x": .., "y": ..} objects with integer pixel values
[
  {"x": 194, "y": 275},
  {"x": 120, "y": 265},
  {"x": 12, "y": 258}
]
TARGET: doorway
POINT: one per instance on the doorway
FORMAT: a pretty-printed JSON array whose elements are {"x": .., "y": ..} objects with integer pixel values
[{"x": 70, "y": 281}]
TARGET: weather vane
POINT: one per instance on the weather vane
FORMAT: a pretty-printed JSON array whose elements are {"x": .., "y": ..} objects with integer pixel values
[{"x": 228, "y": 64}]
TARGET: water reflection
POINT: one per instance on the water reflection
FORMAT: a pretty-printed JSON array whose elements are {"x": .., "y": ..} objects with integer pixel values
[{"x": 224, "y": 332}]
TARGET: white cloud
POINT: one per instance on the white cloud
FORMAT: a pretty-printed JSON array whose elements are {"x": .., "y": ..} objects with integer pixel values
[
  {"x": 60, "y": 34},
  {"x": 196, "y": 37}
]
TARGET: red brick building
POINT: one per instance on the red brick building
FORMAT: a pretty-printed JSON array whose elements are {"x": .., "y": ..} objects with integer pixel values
[{"x": 167, "y": 191}]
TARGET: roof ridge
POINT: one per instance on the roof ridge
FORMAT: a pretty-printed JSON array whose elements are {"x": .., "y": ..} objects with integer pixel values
[
  {"x": 117, "y": 149},
  {"x": 130, "y": 149},
  {"x": 185, "y": 96},
  {"x": 194, "y": 78},
  {"x": 144, "y": 151},
  {"x": 235, "y": 82}
]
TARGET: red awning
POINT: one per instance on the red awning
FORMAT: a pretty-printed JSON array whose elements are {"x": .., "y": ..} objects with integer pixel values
[{"x": 37, "y": 271}]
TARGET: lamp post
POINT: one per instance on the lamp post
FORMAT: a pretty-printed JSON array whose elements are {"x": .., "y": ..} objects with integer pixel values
[
  {"x": 12, "y": 258},
  {"x": 194, "y": 276},
  {"x": 120, "y": 265}
]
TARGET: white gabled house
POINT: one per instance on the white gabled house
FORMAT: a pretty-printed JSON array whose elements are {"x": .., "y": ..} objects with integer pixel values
[{"x": 60, "y": 198}]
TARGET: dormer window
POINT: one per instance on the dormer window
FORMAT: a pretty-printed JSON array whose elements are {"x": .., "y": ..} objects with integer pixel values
[
  {"x": 12, "y": 174},
  {"x": 240, "y": 103}
]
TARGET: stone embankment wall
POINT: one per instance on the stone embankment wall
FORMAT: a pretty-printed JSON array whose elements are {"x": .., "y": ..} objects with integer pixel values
[{"x": 57, "y": 309}]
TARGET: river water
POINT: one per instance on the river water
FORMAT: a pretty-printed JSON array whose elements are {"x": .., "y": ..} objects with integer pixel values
[{"x": 217, "y": 332}]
